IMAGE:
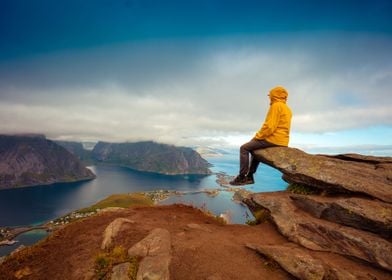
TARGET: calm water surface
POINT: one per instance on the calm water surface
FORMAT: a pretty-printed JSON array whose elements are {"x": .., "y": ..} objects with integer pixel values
[
  {"x": 35, "y": 205},
  {"x": 26, "y": 238}
]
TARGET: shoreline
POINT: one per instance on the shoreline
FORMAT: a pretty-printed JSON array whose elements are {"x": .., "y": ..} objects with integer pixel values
[
  {"x": 153, "y": 172},
  {"x": 156, "y": 196},
  {"x": 14, "y": 232},
  {"x": 49, "y": 183}
]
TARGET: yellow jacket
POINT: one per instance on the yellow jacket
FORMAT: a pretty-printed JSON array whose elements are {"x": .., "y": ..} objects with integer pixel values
[{"x": 276, "y": 127}]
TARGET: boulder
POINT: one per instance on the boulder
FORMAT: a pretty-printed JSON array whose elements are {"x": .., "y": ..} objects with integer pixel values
[
  {"x": 155, "y": 249},
  {"x": 372, "y": 178},
  {"x": 365, "y": 214},
  {"x": 301, "y": 264},
  {"x": 294, "y": 261},
  {"x": 321, "y": 235},
  {"x": 154, "y": 268},
  {"x": 120, "y": 271},
  {"x": 156, "y": 243},
  {"x": 112, "y": 230}
]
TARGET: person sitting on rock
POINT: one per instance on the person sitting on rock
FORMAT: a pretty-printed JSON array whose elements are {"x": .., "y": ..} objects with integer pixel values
[{"x": 274, "y": 132}]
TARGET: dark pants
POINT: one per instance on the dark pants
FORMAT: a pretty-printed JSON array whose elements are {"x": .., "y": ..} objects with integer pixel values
[{"x": 247, "y": 148}]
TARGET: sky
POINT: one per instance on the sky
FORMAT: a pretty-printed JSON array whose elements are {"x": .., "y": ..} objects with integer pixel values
[{"x": 198, "y": 72}]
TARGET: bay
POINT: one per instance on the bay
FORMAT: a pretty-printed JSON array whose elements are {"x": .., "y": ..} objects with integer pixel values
[
  {"x": 39, "y": 204},
  {"x": 34, "y": 205}
]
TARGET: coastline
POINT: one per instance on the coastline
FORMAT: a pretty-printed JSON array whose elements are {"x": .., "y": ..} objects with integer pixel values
[
  {"x": 155, "y": 196},
  {"x": 208, "y": 173},
  {"x": 49, "y": 183},
  {"x": 13, "y": 232}
]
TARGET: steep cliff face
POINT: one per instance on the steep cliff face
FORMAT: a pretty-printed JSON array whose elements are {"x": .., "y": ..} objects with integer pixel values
[
  {"x": 367, "y": 175},
  {"x": 342, "y": 205},
  {"x": 31, "y": 160},
  {"x": 152, "y": 157}
]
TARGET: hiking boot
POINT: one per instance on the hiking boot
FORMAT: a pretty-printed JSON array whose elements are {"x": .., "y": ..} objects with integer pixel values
[
  {"x": 238, "y": 181},
  {"x": 249, "y": 179}
]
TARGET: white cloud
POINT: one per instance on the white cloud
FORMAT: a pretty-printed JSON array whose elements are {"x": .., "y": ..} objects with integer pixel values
[
  {"x": 343, "y": 118},
  {"x": 185, "y": 94}
]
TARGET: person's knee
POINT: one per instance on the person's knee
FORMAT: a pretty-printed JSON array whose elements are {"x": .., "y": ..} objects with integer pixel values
[{"x": 243, "y": 148}]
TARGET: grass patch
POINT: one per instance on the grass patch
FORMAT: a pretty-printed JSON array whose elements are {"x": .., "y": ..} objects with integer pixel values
[
  {"x": 105, "y": 261},
  {"x": 132, "y": 271},
  {"x": 115, "y": 200},
  {"x": 299, "y": 189},
  {"x": 120, "y": 200},
  {"x": 217, "y": 218},
  {"x": 102, "y": 265},
  {"x": 261, "y": 216}
]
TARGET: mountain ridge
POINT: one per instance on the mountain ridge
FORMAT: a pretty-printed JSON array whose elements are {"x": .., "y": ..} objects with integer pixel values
[
  {"x": 30, "y": 160},
  {"x": 151, "y": 156}
]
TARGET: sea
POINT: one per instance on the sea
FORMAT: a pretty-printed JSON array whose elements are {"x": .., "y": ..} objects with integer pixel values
[{"x": 39, "y": 204}]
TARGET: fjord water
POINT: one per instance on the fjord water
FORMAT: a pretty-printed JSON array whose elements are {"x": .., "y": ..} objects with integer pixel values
[{"x": 35, "y": 205}]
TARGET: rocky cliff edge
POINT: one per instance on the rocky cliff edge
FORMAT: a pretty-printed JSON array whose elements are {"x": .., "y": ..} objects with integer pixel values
[{"x": 338, "y": 204}]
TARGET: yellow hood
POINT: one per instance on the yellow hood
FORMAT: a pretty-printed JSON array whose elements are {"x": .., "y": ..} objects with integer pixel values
[
  {"x": 276, "y": 127},
  {"x": 278, "y": 94}
]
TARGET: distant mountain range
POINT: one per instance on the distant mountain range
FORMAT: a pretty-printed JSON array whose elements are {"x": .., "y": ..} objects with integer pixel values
[
  {"x": 152, "y": 157},
  {"x": 78, "y": 149},
  {"x": 143, "y": 156},
  {"x": 29, "y": 159}
]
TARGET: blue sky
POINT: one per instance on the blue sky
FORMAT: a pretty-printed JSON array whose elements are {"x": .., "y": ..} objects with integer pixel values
[{"x": 197, "y": 72}]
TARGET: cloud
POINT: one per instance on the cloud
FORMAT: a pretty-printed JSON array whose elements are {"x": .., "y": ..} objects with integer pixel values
[
  {"x": 374, "y": 150},
  {"x": 199, "y": 91},
  {"x": 342, "y": 118}
]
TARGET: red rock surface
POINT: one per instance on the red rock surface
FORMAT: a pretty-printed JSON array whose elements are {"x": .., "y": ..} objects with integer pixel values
[{"x": 370, "y": 176}]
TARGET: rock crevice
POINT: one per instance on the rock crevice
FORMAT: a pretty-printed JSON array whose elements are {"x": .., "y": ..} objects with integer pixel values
[
  {"x": 352, "y": 215},
  {"x": 155, "y": 249}
]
